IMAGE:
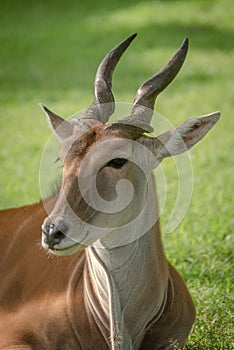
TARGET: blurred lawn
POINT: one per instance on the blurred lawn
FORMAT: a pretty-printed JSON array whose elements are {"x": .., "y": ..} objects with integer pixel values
[{"x": 49, "y": 53}]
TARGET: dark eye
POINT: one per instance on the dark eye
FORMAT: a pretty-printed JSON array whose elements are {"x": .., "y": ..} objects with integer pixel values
[{"x": 116, "y": 163}]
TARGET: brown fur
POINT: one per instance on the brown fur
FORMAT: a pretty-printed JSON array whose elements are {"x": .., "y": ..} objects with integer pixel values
[{"x": 41, "y": 297}]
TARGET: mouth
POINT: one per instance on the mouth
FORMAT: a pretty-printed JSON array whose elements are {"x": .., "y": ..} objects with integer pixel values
[{"x": 65, "y": 251}]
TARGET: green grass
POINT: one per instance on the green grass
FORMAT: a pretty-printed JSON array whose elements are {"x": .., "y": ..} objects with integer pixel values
[{"x": 49, "y": 53}]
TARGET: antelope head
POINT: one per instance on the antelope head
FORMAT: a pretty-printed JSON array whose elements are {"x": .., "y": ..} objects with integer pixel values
[{"x": 105, "y": 183}]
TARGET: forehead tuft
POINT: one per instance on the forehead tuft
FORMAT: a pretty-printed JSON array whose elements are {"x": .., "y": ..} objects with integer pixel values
[{"x": 78, "y": 144}]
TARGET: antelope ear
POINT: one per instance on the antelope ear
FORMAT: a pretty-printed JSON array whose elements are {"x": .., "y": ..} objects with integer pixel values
[
  {"x": 62, "y": 128},
  {"x": 183, "y": 137}
]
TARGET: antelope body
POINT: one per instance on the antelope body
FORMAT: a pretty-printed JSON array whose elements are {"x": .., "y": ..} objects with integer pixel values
[{"x": 113, "y": 288}]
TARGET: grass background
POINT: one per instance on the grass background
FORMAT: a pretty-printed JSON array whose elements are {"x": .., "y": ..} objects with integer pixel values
[{"x": 49, "y": 53}]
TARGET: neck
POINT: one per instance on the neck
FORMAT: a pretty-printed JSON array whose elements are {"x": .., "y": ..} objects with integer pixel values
[{"x": 130, "y": 283}]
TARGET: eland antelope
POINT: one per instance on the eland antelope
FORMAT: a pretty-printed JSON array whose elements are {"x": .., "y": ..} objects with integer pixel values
[{"x": 113, "y": 288}]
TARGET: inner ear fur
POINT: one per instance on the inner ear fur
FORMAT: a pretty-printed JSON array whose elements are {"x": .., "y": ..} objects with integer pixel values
[{"x": 181, "y": 138}]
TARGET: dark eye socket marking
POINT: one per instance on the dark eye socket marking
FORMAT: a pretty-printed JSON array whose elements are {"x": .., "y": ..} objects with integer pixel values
[{"x": 116, "y": 163}]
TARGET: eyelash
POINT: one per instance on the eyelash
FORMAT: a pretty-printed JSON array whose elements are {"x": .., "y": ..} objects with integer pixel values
[
  {"x": 116, "y": 163},
  {"x": 58, "y": 160}
]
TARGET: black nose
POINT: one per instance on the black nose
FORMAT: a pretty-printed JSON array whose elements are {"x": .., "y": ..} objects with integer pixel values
[{"x": 52, "y": 234}]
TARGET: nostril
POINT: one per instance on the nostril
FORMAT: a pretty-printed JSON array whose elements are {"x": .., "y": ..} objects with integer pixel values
[
  {"x": 53, "y": 234},
  {"x": 58, "y": 235}
]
